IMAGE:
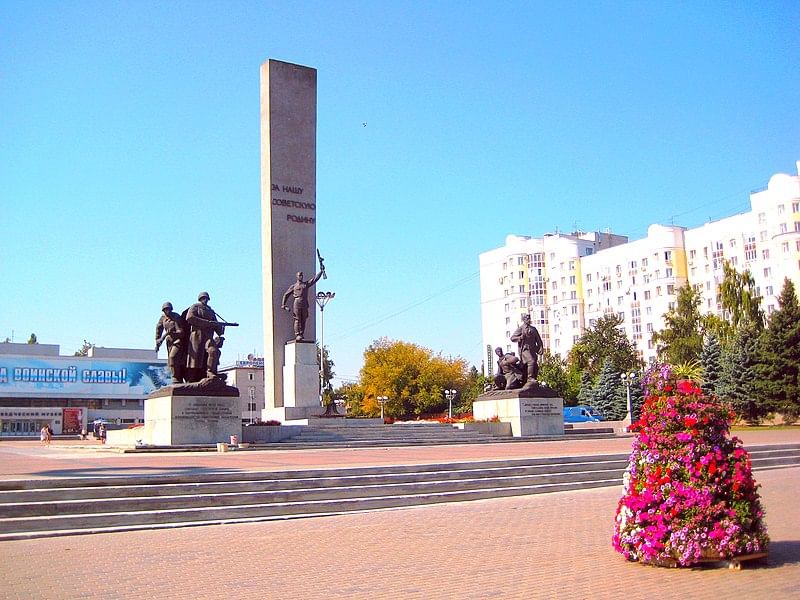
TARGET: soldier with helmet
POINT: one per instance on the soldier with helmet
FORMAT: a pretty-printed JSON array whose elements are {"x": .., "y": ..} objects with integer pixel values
[
  {"x": 205, "y": 339},
  {"x": 172, "y": 328}
]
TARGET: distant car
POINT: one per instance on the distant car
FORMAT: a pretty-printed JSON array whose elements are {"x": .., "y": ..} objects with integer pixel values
[{"x": 581, "y": 414}]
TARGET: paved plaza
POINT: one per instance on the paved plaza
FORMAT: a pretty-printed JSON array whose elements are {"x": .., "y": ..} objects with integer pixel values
[{"x": 545, "y": 546}]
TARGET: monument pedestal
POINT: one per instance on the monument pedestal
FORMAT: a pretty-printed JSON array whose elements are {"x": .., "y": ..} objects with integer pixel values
[
  {"x": 530, "y": 412},
  {"x": 174, "y": 420},
  {"x": 300, "y": 385}
]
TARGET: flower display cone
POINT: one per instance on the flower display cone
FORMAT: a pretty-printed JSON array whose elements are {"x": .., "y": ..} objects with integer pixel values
[{"x": 688, "y": 491}]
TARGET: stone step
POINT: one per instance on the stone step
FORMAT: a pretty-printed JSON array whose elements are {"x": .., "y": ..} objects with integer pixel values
[
  {"x": 269, "y": 481},
  {"x": 96, "y": 504}
]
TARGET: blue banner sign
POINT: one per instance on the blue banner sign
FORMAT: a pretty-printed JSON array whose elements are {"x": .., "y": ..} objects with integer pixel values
[{"x": 79, "y": 376}]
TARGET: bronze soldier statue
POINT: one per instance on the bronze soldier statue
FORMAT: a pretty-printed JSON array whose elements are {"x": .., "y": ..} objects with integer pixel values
[
  {"x": 299, "y": 291},
  {"x": 172, "y": 328},
  {"x": 205, "y": 339},
  {"x": 530, "y": 346},
  {"x": 509, "y": 375}
]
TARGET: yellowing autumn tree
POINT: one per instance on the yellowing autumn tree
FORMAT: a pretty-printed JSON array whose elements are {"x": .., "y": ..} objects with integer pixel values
[{"x": 413, "y": 378}]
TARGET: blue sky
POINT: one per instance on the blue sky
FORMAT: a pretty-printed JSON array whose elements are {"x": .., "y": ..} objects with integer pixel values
[{"x": 130, "y": 157}]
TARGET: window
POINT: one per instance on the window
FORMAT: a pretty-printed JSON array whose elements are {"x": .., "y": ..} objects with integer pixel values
[
  {"x": 619, "y": 300},
  {"x": 649, "y": 328},
  {"x": 575, "y": 324},
  {"x": 574, "y": 309},
  {"x": 572, "y": 279},
  {"x": 573, "y": 295},
  {"x": 762, "y": 218},
  {"x": 520, "y": 261},
  {"x": 589, "y": 277},
  {"x": 648, "y": 310},
  {"x": 765, "y": 254},
  {"x": 750, "y": 248},
  {"x": 668, "y": 255},
  {"x": 668, "y": 272},
  {"x": 522, "y": 274},
  {"x": 647, "y": 294},
  {"x": 768, "y": 290},
  {"x": 783, "y": 228},
  {"x": 251, "y": 376},
  {"x": 644, "y": 262},
  {"x": 692, "y": 253},
  {"x": 670, "y": 289},
  {"x": 732, "y": 243},
  {"x": 658, "y": 290},
  {"x": 780, "y": 209},
  {"x": 523, "y": 302},
  {"x": 572, "y": 265},
  {"x": 767, "y": 272},
  {"x": 795, "y": 207},
  {"x": 763, "y": 236}
]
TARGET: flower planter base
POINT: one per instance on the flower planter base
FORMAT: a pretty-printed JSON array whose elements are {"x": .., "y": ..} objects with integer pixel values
[{"x": 733, "y": 562}]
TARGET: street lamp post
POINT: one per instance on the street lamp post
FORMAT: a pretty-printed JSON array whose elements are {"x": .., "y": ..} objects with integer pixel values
[
  {"x": 322, "y": 299},
  {"x": 382, "y": 400},
  {"x": 628, "y": 379},
  {"x": 450, "y": 395}
]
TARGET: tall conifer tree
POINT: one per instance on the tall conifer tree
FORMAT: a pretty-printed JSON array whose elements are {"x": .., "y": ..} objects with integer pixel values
[{"x": 778, "y": 367}]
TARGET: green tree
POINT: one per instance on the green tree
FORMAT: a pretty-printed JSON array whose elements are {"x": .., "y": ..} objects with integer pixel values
[
  {"x": 476, "y": 383},
  {"x": 326, "y": 375},
  {"x": 739, "y": 298},
  {"x": 681, "y": 340},
  {"x": 736, "y": 383},
  {"x": 778, "y": 370},
  {"x": 352, "y": 396},
  {"x": 412, "y": 377},
  {"x": 637, "y": 400},
  {"x": 84, "y": 350},
  {"x": 603, "y": 340},
  {"x": 586, "y": 394},
  {"x": 609, "y": 397},
  {"x": 32, "y": 339},
  {"x": 710, "y": 359},
  {"x": 554, "y": 373}
]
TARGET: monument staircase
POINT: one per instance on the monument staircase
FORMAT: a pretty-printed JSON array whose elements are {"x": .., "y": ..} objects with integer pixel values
[
  {"x": 70, "y": 506},
  {"x": 403, "y": 434}
]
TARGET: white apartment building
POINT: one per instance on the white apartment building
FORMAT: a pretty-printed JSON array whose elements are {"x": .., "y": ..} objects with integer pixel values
[
  {"x": 765, "y": 241},
  {"x": 566, "y": 282},
  {"x": 637, "y": 281}
]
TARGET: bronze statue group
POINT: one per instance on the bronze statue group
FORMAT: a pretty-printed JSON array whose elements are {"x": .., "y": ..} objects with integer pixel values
[
  {"x": 193, "y": 338},
  {"x": 520, "y": 372}
]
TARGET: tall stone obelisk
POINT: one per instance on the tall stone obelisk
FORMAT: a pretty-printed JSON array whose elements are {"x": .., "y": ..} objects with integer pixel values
[{"x": 288, "y": 216}]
